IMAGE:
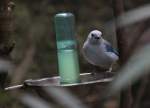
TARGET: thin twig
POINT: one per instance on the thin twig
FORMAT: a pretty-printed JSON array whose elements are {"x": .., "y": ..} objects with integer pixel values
[{"x": 14, "y": 87}]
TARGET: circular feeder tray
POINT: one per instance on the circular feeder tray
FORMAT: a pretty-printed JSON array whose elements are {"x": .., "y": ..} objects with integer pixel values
[
  {"x": 89, "y": 90},
  {"x": 85, "y": 79}
]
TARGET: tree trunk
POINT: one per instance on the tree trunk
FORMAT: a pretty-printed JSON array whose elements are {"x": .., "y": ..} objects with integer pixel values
[
  {"x": 123, "y": 46},
  {"x": 6, "y": 43}
]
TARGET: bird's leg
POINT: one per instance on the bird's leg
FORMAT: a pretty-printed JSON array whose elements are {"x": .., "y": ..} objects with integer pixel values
[
  {"x": 94, "y": 70},
  {"x": 101, "y": 71},
  {"x": 109, "y": 72},
  {"x": 110, "y": 69},
  {"x": 97, "y": 69}
]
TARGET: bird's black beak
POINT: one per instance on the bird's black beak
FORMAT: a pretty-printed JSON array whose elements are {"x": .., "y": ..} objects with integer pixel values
[{"x": 95, "y": 36}]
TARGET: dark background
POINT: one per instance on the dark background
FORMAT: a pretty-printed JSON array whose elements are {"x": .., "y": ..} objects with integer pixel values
[{"x": 35, "y": 55}]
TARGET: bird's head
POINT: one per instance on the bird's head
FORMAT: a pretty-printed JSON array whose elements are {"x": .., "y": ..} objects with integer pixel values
[{"x": 95, "y": 37}]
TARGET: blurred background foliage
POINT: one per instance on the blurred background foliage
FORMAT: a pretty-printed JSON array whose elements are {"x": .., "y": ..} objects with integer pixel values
[{"x": 35, "y": 54}]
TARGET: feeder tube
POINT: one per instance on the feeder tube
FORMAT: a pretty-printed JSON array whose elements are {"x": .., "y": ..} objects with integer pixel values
[{"x": 68, "y": 64}]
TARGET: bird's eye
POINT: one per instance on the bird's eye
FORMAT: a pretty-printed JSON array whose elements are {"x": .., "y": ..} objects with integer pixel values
[{"x": 93, "y": 35}]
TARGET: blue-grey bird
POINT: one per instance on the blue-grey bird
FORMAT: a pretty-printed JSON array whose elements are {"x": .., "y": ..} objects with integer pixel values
[{"x": 98, "y": 51}]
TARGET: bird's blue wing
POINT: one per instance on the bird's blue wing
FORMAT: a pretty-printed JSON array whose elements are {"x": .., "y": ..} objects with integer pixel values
[{"x": 109, "y": 48}]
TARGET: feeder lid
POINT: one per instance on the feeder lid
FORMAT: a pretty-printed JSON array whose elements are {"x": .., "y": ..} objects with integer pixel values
[{"x": 64, "y": 26}]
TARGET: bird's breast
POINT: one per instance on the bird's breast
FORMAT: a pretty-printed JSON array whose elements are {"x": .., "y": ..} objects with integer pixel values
[{"x": 96, "y": 56}]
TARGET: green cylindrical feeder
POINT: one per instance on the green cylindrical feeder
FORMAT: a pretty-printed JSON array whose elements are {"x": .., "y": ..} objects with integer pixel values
[{"x": 68, "y": 63}]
